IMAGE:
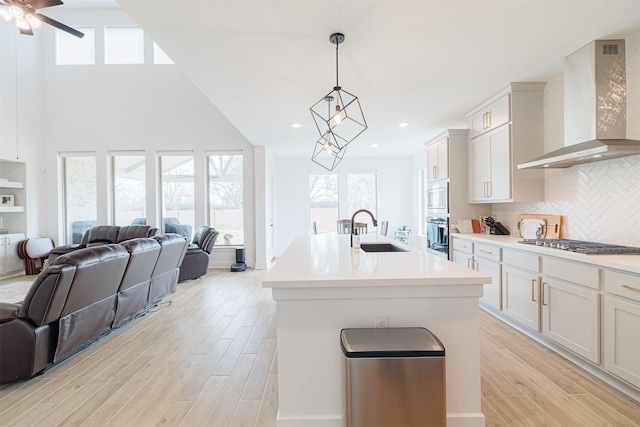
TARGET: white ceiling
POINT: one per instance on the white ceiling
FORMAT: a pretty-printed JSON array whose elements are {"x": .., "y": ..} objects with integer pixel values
[{"x": 263, "y": 63}]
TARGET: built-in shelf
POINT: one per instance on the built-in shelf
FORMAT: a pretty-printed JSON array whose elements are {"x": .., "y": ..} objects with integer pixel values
[
  {"x": 10, "y": 184},
  {"x": 11, "y": 209}
]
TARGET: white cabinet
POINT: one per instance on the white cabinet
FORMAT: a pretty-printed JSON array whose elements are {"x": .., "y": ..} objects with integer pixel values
[
  {"x": 490, "y": 166},
  {"x": 486, "y": 260},
  {"x": 9, "y": 260},
  {"x": 521, "y": 288},
  {"x": 490, "y": 116},
  {"x": 505, "y": 131},
  {"x": 438, "y": 159},
  {"x": 622, "y": 326}
]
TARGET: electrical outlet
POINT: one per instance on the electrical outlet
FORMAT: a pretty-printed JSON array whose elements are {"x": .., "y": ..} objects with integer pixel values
[{"x": 382, "y": 321}]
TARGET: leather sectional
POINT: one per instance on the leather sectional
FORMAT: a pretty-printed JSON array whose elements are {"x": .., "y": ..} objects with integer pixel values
[{"x": 82, "y": 296}]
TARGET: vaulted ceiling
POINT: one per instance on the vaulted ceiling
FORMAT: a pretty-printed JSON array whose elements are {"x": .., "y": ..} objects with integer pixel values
[{"x": 263, "y": 63}]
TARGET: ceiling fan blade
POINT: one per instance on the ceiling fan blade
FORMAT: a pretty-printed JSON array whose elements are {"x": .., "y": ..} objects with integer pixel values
[
  {"x": 27, "y": 30},
  {"x": 41, "y": 4},
  {"x": 59, "y": 25}
]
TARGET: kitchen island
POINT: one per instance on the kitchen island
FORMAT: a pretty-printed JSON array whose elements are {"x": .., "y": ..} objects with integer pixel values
[{"x": 322, "y": 285}]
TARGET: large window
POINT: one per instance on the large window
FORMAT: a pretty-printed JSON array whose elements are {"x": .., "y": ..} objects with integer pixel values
[
  {"x": 323, "y": 202},
  {"x": 333, "y": 197},
  {"x": 79, "y": 195},
  {"x": 177, "y": 194},
  {"x": 71, "y": 50},
  {"x": 362, "y": 193},
  {"x": 123, "y": 45},
  {"x": 225, "y": 173},
  {"x": 129, "y": 190}
]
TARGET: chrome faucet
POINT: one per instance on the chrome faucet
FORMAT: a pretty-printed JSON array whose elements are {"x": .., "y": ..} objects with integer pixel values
[{"x": 375, "y": 221}]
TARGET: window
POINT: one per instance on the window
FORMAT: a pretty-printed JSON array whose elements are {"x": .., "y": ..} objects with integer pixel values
[
  {"x": 79, "y": 195},
  {"x": 71, "y": 50},
  {"x": 159, "y": 56},
  {"x": 362, "y": 193},
  {"x": 332, "y": 198},
  {"x": 177, "y": 194},
  {"x": 225, "y": 173},
  {"x": 323, "y": 202},
  {"x": 123, "y": 45},
  {"x": 129, "y": 192}
]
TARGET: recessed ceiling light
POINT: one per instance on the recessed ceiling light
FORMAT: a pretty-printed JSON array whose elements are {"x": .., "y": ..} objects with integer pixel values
[
  {"x": 296, "y": 125},
  {"x": 374, "y": 145},
  {"x": 403, "y": 124}
]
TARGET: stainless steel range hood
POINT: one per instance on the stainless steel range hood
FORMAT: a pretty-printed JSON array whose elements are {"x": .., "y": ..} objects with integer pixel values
[{"x": 595, "y": 108}]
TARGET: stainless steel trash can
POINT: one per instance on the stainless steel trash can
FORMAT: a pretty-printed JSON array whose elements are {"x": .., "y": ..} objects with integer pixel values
[{"x": 394, "y": 377}]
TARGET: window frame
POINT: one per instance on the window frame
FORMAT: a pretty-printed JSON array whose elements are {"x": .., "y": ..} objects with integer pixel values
[{"x": 208, "y": 181}]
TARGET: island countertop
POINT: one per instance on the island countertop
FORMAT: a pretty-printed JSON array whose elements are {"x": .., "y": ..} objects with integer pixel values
[{"x": 328, "y": 260}]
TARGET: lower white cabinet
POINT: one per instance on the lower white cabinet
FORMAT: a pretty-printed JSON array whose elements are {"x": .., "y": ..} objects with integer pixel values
[
  {"x": 520, "y": 296},
  {"x": 487, "y": 261},
  {"x": 622, "y": 326},
  {"x": 10, "y": 262},
  {"x": 571, "y": 317}
]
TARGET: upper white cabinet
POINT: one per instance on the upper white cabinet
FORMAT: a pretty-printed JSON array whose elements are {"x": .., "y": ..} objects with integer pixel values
[
  {"x": 490, "y": 116},
  {"x": 505, "y": 131},
  {"x": 438, "y": 159}
]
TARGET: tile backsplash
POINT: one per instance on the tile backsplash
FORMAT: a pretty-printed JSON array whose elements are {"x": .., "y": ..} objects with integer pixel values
[{"x": 599, "y": 201}]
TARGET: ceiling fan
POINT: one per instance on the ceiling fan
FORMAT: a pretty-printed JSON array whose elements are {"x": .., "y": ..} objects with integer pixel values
[{"x": 24, "y": 11}]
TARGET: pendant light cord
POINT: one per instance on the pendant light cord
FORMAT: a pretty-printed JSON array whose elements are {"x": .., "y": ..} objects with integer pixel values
[{"x": 337, "y": 84}]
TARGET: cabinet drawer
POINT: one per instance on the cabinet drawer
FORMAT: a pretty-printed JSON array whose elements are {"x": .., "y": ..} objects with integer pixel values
[
  {"x": 578, "y": 273},
  {"x": 487, "y": 251},
  {"x": 625, "y": 285},
  {"x": 462, "y": 245},
  {"x": 521, "y": 260}
]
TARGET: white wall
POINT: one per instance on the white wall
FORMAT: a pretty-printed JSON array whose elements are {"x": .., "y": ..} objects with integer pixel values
[
  {"x": 99, "y": 108},
  {"x": 291, "y": 188}
]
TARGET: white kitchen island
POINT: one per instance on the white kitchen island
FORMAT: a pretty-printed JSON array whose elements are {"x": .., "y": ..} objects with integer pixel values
[{"x": 322, "y": 285}]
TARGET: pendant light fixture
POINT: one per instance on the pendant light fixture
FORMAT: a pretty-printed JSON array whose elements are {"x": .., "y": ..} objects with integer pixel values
[{"x": 339, "y": 122}]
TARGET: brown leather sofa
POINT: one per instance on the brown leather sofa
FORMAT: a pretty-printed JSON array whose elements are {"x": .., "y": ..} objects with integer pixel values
[
  {"x": 102, "y": 235},
  {"x": 82, "y": 296},
  {"x": 196, "y": 260}
]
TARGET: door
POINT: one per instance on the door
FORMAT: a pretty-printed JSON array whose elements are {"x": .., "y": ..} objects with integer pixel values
[
  {"x": 499, "y": 187},
  {"x": 478, "y": 168},
  {"x": 492, "y": 292},
  {"x": 9, "y": 259},
  {"x": 621, "y": 331}
]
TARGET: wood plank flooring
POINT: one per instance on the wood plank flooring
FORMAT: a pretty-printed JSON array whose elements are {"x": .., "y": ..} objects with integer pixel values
[{"x": 206, "y": 357}]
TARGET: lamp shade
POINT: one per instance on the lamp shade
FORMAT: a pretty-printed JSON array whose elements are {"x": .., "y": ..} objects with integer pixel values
[
  {"x": 343, "y": 116},
  {"x": 326, "y": 151}
]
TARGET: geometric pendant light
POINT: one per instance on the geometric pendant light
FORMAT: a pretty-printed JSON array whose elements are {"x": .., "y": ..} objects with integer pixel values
[{"x": 339, "y": 119}]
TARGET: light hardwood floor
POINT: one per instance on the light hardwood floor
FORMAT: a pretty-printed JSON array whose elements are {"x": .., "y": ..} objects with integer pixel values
[{"x": 207, "y": 357}]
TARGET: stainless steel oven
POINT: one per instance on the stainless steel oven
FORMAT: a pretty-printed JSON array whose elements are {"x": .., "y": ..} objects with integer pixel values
[
  {"x": 438, "y": 235},
  {"x": 438, "y": 198}
]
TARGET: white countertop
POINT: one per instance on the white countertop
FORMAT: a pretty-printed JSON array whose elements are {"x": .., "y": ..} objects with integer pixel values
[
  {"x": 327, "y": 260},
  {"x": 630, "y": 263}
]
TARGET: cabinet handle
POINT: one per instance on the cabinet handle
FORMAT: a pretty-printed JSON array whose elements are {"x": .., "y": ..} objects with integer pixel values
[
  {"x": 485, "y": 252},
  {"x": 485, "y": 189},
  {"x": 488, "y": 119},
  {"x": 437, "y": 171},
  {"x": 468, "y": 262},
  {"x": 488, "y": 188},
  {"x": 484, "y": 120},
  {"x": 631, "y": 287},
  {"x": 543, "y": 285},
  {"x": 533, "y": 287}
]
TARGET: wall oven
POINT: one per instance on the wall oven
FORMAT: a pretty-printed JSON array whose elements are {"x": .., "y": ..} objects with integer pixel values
[
  {"x": 438, "y": 198},
  {"x": 438, "y": 235}
]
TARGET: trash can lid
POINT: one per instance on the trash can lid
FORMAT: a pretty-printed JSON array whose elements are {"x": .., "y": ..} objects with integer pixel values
[{"x": 390, "y": 342}]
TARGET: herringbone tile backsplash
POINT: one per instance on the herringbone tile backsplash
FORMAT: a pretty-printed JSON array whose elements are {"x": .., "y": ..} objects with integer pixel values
[{"x": 598, "y": 201}]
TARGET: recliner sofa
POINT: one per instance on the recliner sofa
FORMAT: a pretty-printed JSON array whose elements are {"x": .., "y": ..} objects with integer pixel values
[
  {"x": 83, "y": 295},
  {"x": 102, "y": 235},
  {"x": 196, "y": 260}
]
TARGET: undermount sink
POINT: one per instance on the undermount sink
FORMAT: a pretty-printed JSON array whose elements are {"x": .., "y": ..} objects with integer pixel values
[{"x": 380, "y": 247}]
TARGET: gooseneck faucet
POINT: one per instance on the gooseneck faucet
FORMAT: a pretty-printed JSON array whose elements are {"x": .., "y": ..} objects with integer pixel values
[{"x": 375, "y": 222}]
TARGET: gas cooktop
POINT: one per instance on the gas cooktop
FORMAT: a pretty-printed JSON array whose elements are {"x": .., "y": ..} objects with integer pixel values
[{"x": 588, "y": 248}]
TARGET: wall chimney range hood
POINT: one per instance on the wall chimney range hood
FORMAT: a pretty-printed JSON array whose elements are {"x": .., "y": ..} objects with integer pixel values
[{"x": 595, "y": 108}]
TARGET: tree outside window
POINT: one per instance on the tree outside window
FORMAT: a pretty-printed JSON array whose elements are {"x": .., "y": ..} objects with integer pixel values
[
  {"x": 226, "y": 197},
  {"x": 323, "y": 202}
]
